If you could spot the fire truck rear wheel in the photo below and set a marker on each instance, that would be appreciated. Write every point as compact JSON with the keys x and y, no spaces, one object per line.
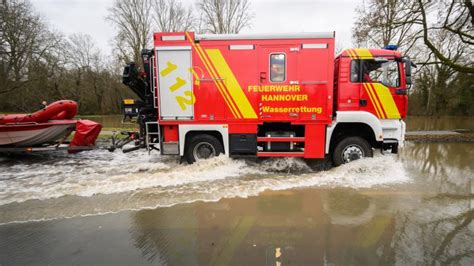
{"x":351,"y":149}
{"x":202,"y":147}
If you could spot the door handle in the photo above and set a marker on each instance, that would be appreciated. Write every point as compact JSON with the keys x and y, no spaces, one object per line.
{"x":363,"y":102}
{"x":263,"y":76}
{"x":401,"y":92}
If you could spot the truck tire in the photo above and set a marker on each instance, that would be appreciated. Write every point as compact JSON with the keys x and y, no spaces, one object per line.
{"x":351,"y":149}
{"x":202,"y":146}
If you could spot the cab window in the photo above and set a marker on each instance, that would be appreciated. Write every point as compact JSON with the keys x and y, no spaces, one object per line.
{"x":277,"y":67}
{"x":355,"y":73}
{"x":386,"y":73}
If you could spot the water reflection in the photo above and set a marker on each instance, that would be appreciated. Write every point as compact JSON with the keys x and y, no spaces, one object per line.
{"x":446,"y":167}
{"x":341,"y":226}
{"x":437,"y":228}
{"x":428,"y":222}
{"x":437,"y":231}
{"x":166,"y":236}
{"x":439,"y":123}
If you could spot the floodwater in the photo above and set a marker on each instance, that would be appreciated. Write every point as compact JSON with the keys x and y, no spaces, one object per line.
{"x":96,"y":207}
{"x":114,"y":208}
{"x":416,"y":123}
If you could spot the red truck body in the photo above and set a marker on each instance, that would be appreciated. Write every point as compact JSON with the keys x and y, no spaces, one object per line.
{"x":274,"y":94}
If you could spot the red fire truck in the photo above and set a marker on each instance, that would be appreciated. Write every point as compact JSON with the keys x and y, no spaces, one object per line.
{"x":269,"y":95}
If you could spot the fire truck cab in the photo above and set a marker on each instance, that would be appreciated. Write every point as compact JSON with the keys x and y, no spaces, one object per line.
{"x":269,"y":95}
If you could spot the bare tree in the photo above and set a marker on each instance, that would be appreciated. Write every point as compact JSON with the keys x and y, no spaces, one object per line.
{"x":133,"y":21}
{"x":411,"y":24}
{"x":171,"y":16}
{"x":82,"y":52}
{"x":225,"y":16}
{"x":456,"y":20}
{"x":24,"y":39}
{"x":441,"y":47}
{"x":383,"y":22}
{"x":87,"y":64}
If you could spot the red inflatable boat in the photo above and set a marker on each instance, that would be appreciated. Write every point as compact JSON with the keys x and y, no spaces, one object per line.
{"x":48,"y":126}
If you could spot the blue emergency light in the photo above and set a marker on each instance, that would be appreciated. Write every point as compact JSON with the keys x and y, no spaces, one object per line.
{"x":392,"y":47}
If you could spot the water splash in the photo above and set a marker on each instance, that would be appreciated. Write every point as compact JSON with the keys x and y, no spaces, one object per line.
{"x":101,"y":182}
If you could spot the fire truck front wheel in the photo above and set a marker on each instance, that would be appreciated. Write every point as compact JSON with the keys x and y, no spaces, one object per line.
{"x":202,"y":147}
{"x":351,"y":149}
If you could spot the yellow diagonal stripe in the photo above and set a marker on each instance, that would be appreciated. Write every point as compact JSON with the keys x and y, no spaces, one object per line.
{"x":197,"y":82}
{"x":378,"y":104}
{"x":362,"y":52}
{"x":232,"y":84}
{"x":372,"y":100}
{"x":214,"y":76}
{"x":219,"y":86}
{"x":387,"y":101}
{"x":350,"y":54}
{"x":353,"y":54}
{"x":219,"y":83}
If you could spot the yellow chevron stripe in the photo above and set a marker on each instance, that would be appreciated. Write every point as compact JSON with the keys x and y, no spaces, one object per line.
{"x":217,"y":81}
{"x":211,"y":73}
{"x":378,"y":104}
{"x":195,"y":75}
{"x":367,"y":89}
{"x":220,"y":83}
{"x":351,"y":54}
{"x":377,"y":100}
{"x":356,"y":55}
{"x":232,"y":84}
{"x":362,"y":52}
{"x":387,"y":101}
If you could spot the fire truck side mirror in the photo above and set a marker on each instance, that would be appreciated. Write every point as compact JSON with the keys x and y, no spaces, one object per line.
{"x":263,"y":76}
{"x":408,"y":65}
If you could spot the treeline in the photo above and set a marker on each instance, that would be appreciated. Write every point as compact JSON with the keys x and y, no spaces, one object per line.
{"x":38,"y":63}
{"x":438,"y":36}
{"x":136,"y":20}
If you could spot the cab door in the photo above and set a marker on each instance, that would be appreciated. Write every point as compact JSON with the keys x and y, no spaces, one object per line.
{"x":277,"y":72}
{"x":380,"y":83}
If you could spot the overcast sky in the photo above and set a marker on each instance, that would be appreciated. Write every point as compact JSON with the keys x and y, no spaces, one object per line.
{"x":88,"y":16}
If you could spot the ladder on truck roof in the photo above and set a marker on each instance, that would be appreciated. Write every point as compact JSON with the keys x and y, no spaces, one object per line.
{"x":152,"y":135}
